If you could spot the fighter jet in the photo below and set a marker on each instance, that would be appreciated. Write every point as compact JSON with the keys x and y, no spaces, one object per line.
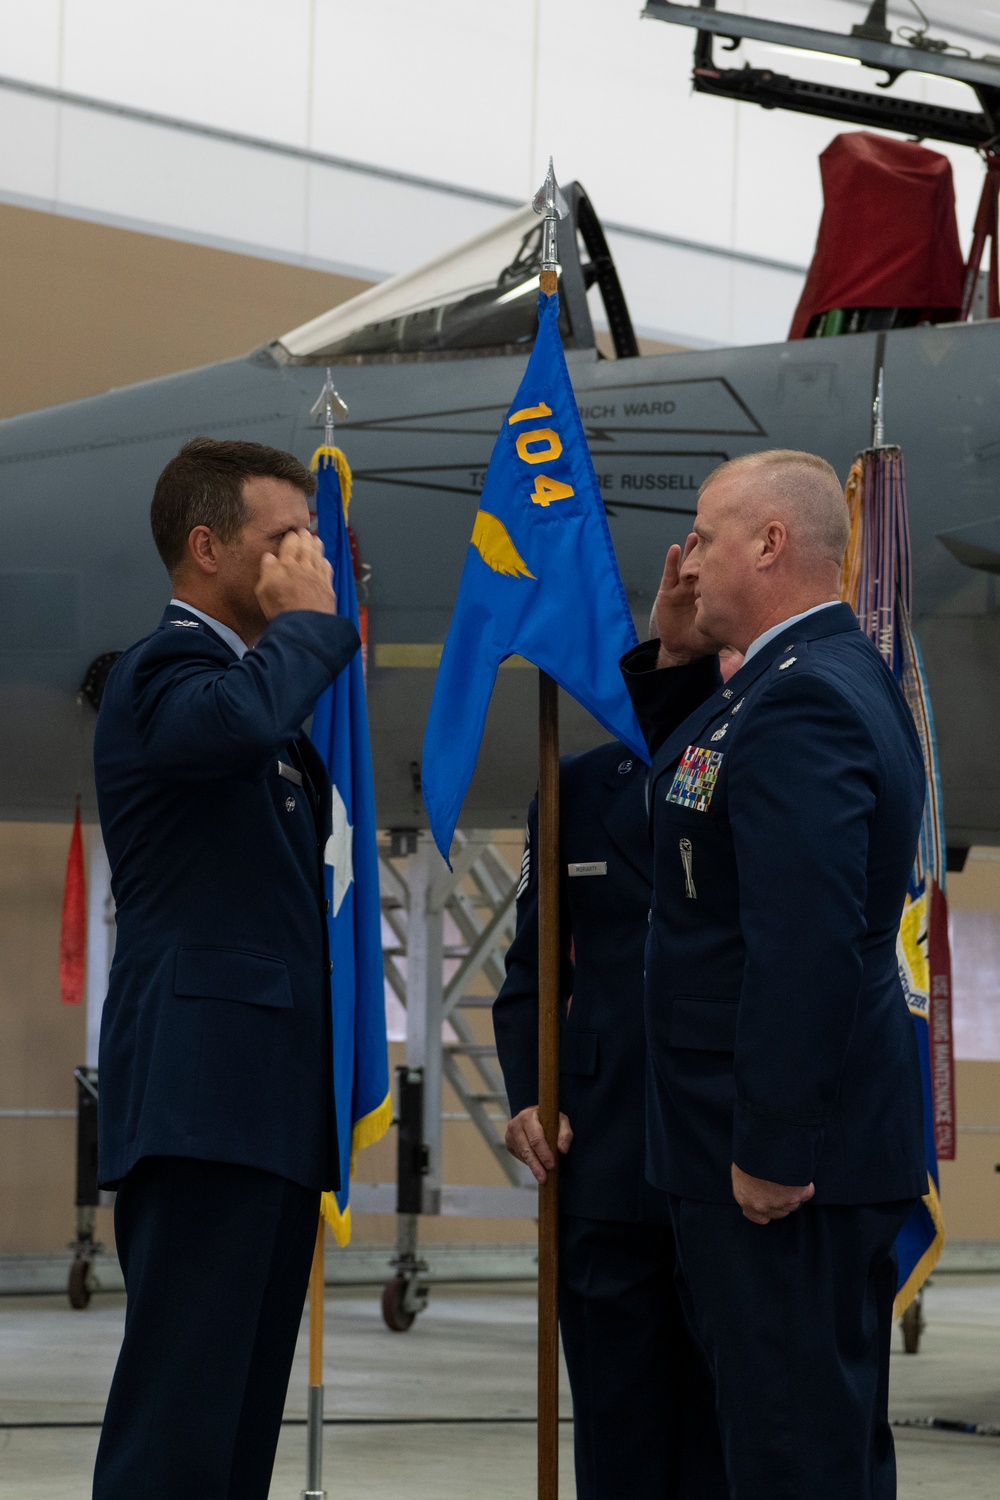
{"x":427,"y":364}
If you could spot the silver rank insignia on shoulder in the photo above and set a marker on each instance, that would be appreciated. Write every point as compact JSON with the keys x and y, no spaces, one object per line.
{"x":727,"y":692}
{"x":289,"y":804}
{"x":720,"y":733}
{"x":737,"y":706}
{"x":787,"y":663}
{"x":185,"y":624}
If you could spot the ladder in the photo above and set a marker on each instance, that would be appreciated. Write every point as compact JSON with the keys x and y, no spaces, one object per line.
{"x":449,"y":931}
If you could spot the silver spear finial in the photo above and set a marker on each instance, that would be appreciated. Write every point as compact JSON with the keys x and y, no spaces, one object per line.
{"x":550,"y":202}
{"x":328,"y":406}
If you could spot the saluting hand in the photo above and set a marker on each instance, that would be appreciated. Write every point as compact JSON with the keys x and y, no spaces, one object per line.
{"x":762,"y":1201}
{"x":673,"y":619}
{"x":525,"y":1139}
{"x":298,"y":577}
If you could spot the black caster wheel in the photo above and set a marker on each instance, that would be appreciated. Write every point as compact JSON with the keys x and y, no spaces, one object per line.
{"x":80,"y":1287}
{"x":394,"y":1311}
{"x":912,"y":1325}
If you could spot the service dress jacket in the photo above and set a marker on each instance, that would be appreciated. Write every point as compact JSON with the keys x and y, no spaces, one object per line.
{"x":215,"y":809}
{"x":606,"y":877}
{"x":785,"y":808}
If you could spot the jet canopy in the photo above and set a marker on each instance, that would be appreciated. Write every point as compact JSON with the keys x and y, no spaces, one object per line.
{"x":480,"y":298}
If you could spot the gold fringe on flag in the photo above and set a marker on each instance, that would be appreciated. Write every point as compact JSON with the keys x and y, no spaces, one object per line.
{"x":369,"y":1129}
{"x":930,"y":1257}
{"x":325,"y":455}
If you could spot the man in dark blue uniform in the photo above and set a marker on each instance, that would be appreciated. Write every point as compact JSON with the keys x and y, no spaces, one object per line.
{"x":785,"y":1116}
{"x":643,"y":1405}
{"x":217,"y":1121}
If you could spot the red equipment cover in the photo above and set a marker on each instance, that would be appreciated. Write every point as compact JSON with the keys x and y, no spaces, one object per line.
{"x":888,"y":236}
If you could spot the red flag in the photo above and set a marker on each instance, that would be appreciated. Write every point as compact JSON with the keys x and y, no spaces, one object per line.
{"x":73,"y":941}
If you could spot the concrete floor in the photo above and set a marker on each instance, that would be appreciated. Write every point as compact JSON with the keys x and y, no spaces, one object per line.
{"x":469,"y":1358}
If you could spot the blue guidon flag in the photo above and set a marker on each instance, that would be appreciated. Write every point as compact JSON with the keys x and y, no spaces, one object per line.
{"x":357,"y":985}
{"x":541,"y":581}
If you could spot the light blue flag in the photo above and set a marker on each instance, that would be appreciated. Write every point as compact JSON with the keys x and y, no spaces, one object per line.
{"x":541,"y":580}
{"x":340,"y":734}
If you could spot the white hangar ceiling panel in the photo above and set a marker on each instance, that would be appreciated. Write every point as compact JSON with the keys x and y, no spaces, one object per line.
{"x":472,"y":97}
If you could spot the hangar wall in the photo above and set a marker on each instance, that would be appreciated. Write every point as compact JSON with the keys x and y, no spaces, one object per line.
{"x":86,"y":306}
{"x":326,"y":132}
{"x":42,"y":1041}
{"x":249,"y":242}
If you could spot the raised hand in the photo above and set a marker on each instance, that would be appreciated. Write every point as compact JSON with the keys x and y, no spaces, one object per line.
{"x":673,"y":619}
{"x":298,"y":577}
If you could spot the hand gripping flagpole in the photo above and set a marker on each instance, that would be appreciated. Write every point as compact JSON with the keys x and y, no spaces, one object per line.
{"x":548,"y":200}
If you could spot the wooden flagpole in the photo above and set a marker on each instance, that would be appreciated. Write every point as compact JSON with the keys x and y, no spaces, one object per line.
{"x":548,"y":1085}
{"x":314,"y":1423}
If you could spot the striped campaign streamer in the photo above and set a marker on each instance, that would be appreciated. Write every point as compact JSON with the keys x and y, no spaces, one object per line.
{"x":877,"y":580}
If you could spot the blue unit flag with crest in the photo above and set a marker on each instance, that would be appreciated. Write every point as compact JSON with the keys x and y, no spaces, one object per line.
{"x":540,"y":580}
{"x":357,"y":985}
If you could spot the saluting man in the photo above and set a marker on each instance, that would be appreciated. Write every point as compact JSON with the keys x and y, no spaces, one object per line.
{"x":643,"y":1407}
{"x":785,"y":1117}
{"x":217,"y":1121}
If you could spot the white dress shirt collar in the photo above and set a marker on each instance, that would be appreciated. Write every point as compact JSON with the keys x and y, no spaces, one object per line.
{"x":224,"y":632}
{"x":776,"y":630}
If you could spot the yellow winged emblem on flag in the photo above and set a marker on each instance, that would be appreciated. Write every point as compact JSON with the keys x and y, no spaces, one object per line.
{"x":911,"y":954}
{"x":491,"y":540}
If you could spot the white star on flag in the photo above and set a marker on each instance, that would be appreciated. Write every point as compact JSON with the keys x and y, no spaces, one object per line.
{"x":340,"y":851}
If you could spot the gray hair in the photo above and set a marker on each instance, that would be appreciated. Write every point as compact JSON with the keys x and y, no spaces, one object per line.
{"x":807,"y":486}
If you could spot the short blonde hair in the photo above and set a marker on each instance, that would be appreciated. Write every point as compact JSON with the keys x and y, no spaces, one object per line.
{"x":804,"y":483}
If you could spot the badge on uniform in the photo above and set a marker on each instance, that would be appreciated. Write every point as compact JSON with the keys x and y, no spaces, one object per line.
{"x":695,"y":778}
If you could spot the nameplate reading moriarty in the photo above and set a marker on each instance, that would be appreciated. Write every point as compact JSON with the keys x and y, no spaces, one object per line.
{"x":589,"y":867}
{"x":289,"y":773}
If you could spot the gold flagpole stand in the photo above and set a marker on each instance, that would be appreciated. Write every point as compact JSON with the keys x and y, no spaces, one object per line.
{"x":314,"y":1426}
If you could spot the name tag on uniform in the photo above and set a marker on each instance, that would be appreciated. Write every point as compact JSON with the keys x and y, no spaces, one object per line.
{"x":289,"y":773}
{"x":589,"y":867}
